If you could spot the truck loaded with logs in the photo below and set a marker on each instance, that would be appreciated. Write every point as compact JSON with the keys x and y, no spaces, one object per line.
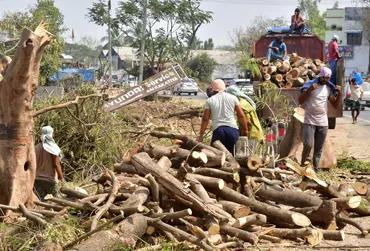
{"x":306,"y":58}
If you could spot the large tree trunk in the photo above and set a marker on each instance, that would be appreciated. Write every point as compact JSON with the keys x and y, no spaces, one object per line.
{"x":17,"y":90}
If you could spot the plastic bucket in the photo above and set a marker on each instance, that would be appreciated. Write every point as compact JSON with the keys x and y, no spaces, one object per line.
{"x":358,"y":78}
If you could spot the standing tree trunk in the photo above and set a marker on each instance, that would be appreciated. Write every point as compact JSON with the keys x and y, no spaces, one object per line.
{"x":17,"y":90}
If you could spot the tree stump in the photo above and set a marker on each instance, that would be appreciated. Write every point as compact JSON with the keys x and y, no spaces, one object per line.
{"x":17,"y":91}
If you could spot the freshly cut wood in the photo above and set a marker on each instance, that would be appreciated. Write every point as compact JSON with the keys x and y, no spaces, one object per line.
{"x":289,"y":78}
{"x":197,"y":231}
{"x":299,"y":82}
{"x":265,"y":62}
{"x":277,"y":78}
{"x":312,"y":236}
{"x":285,"y":67}
{"x":333,"y":235}
{"x":193,"y":158}
{"x":265,"y":69}
{"x":311,"y":74}
{"x":299,"y":63}
{"x":229,"y":157}
{"x":227,"y":177}
{"x":124,"y":168}
{"x":138,"y":198}
{"x":287,"y":196}
{"x":144,"y":164}
{"x":235,"y":209}
{"x":184,"y":169}
{"x":266,"y":77}
{"x":348,"y":202}
{"x":154,"y":188}
{"x":198,"y":189}
{"x":324,"y":213}
{"x":241,"y":234}
{"x":72,"y":193}
{"x":295,"y":73}
{"x":278,"y":63}
{"x":125,"y":233}
{"x":309,"y":61}
{"x":165,"y":163}
{"x":283,"y":215}
{"x":212,"y":225}
{"x":254,"y":219}
{"x":303,"y":70}
{"x":209,"y":182}
{"x":360,"y":188}
{"x":342,"y":218}
{"x":254,"y":162}
{"x":173,"y":215}
{"x":317,"y":62}
{"x":295,"y":57}
{"x":313,"y":67}
{"x":217,"y":239}
{"x":214,"y":160}
{"x":272,"y":69}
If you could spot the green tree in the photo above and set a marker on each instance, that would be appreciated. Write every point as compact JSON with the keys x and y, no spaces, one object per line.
{"x":117,"y":39}
{"x":12,"y":23}
{"x":244,"y":38}
{"x":208,"y":44}
{"x":173,"y":41}
{"x":315,"y":21}
{"x":202,"y":67}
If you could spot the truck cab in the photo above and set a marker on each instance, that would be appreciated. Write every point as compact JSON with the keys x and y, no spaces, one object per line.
{"x":308,"y":46}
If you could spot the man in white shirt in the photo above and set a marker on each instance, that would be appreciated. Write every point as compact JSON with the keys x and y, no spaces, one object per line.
{"x":356,"y":95}
{"x":315,"y":95}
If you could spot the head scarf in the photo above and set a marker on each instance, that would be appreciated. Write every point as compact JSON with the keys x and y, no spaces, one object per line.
{"x":234,"y":90}
{"x":48,"y":142}
{"x":325,"y":72}
{"x":218,"y":85}
{"x":335,"y":37}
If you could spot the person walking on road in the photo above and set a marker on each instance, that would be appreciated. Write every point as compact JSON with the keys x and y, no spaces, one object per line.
{"x":334,"y":56}
{"x":315,"y":95}
{"x":48,"y":167}
{"x":277,"y":50}
{"x":356,"y":95}
{"x":297,"y":22}
{"x":222,"y":107}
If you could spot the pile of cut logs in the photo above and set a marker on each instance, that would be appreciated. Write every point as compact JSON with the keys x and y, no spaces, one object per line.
{"x":201,"y":194}
{"x":292,"y":73}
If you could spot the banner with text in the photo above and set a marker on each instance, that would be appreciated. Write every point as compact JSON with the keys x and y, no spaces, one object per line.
{"x":156,"y":83}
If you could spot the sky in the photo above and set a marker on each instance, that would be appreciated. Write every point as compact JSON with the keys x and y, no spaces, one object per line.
{"x":227,"y":15}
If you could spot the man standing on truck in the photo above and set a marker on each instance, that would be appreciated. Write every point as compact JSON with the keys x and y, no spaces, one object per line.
{"x":222,"y":107}
{"x":297,"y":22}
{"x":315,"y":95}
{"x":277,"y":50}
{"x":333,"y":51}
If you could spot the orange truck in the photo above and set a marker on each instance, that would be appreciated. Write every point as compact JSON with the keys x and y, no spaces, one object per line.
{"x":308,"y":46}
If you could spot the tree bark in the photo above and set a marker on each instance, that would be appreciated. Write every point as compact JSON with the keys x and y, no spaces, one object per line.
{"x":235,"y":209}
{"x":17,"y":90}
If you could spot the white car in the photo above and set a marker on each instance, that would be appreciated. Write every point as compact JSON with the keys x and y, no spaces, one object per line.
{"x":365,"y":101}
{"x":245,"y":85}
{"x":187,"y":85}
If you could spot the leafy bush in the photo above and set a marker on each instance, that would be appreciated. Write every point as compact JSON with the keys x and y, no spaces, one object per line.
{"x":201,"y":67}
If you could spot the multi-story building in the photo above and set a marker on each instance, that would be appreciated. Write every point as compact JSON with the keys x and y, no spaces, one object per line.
{"x":354,"y":35}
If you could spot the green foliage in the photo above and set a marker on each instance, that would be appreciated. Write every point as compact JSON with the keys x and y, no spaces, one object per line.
{"x":12,"y":24}
{"x":202,"y":67}
{"x":64,"y":231}
{"x":251,"y":64}
{"x":244,"y":38}
{"x":182,"y":20}
{"x":315,"y":20}
{"x":354,"y":165}
{"x":89,"y":137}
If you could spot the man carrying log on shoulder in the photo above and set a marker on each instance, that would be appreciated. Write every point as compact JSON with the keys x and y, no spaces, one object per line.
{"x":277,"y":50}
{"x":315,"y":95}
{"x":222,"y":108}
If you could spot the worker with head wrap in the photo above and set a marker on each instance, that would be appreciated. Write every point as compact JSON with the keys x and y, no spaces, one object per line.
{"x":315,"y":95}
{"x":49,"y":169}
{"x":221,"y":107}
{"x":255,"y":131}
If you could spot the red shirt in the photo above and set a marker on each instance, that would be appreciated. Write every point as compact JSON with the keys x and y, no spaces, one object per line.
{"x":332,"y":48}
{"x":297,"y":20}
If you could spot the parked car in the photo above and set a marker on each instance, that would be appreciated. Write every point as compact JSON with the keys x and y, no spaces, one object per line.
{"x":187,"y":85}
{"x":364,"y":102}
{"x":245,"y":85}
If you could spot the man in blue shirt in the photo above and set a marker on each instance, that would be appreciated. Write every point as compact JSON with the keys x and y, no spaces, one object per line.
{"x":277,"y":50}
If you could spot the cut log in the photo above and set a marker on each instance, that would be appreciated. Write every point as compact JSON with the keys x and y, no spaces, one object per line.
{"x":265,"y":69}
{"x":212,"y":225}
{"x":165,"y":163}
{"x":209,"y":182}
{"x":303,"y":70}
{"x":348,"y":202}
{"x":311,"y":74}
{"x":254,"y":162}
{"x":197,"y":231}
{"x":309,"y":61}
{"x":144,"y":164}
{"x":229,"y":157}
{"x":17,"y":91}
{"x":299,"y":82}
{"x":272,"y":69}
{"x":342,"y":218}
{"x":289,"y":78}
{"x":285,"y":67}
{"x":360,"y":188}
{"x":278,"y":63}
{"x":254,"y":219}
{"x":198,"y":189}
{"x":295,"y":73}
{"x":299,"y":63}
{"x":333,"y":235}
{"x":193,"y":158}
{"x":183,"y":171}
{"x":294,"y":58}
{"x":241,"y":234}
{"x":265,"y":62}
{"x":72,"y":193}
{"x":125,"y":233}
{"x":277,"y":78}
{"x":312,"y":236}
{"x":217,"y":239}
{"x":325,"y":213}
{"x":266,"y":77}
{"x":173,"y":216}
{"x":154,"y":188}
{"x":317,"y":62}
{"x":296,"y":219}
{"x":138,"y":198}
{"x":124,"y":168}
{"x":214,"y":160}
{"x":227,"y":177}
{"x":235,"y":209}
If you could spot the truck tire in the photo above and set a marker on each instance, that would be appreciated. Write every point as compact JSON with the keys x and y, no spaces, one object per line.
{"x":332,"y":123}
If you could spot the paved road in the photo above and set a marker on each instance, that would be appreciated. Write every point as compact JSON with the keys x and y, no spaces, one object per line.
{"x":364,"y":115}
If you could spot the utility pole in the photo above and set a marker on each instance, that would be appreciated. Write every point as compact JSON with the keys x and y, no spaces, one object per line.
{"x":109,"y":45}
{"x":142,"y":48}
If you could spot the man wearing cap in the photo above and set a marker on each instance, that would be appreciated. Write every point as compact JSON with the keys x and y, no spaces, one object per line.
{"x":297,"y":22}
{"x":277,"y":50}
{"x":333,"y":51}
{"x":315,"y":95}
{"x":221,"y":107}
{"x":48,"y":167}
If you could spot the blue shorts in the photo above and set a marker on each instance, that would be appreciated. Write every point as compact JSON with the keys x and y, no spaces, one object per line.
{"x":227,"y":135}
